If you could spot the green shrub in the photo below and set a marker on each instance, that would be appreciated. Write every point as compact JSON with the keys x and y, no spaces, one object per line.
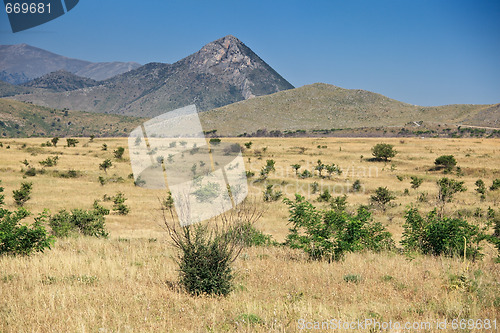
{"x":495,"y":185}
{"x":71,"y":142}
{"x":325,"y":196}
{"x":23,"y":194}
{"x":50,"y":161}
{"x":119,"y":204}
{"x":447,"y":162}
{"x":329,"y":234}
{"x":19,"y":239}
{"x":118,"y":153}
{"x":383,"y":151}
{"x":31,"y":172}
{"x":306,"y":174}
{"x":271,"y":195}
{"x":105,"y":165}
{"x":436,"y":235}
{"x":382,"y":197}
{"x":356,"y":186}
{"x":416,"y":182}
{"x":214,"y":141}
{"x":55,"y":141}
{"x":481,"y":188}
{"x":207,"y":250}
{"x":447,"y":190}
{"x":86,"y":222}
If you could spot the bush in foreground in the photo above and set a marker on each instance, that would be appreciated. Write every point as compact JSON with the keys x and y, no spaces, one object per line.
{"x":86,"y":222}
{"x":329,"y":234}
{"x":437,"y":235}
{"x":17,"y":239}
{"x":206,"y":251}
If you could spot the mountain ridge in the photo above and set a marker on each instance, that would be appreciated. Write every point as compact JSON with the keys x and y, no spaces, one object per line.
{"x":220,"y":73}
{"x":20,"y":63}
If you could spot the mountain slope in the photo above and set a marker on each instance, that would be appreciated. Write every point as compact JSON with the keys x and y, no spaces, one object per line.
{"x":21,"y":63}
{"x":61,"y":81}
{"x":322,"y":106}
{"x":19,"y":119}
{"x":222,"y":72}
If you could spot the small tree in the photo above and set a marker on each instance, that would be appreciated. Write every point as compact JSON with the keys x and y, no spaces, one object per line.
{"x":104,"y":147}
{"x":447,"y":189}
{"x":447,"y":162}
{"x":248,"y":144}
{"x":105,"y":165}
{"x":23,"y":194}
{"x":119,"y":153}
{"x":495,"y":185}
{"x":71,"y":142}
{"x":16,"y":239}
{"x":320,"y":167}
{"x":382,"y":197}
{"x":383,"y":151}
{"x":296,"y":167}
{"x":55,"y":141}
{"x":416,"y":182}
{"x":356,"y":186}
{"x":271,"y":195}
{"x":119,"y":204}
{"x":330,"y":169}
{"x":481,"y":188}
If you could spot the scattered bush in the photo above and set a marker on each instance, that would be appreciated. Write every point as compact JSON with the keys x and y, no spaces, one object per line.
{"x":382,"y":197}
{"x":16,"y":239}
{"x":118,"y":153}
{"x":440,"y":235}
{"x":23,"y":194}
{"x":71,"y":142}
{"x":447,"y":189}
{"x":55,"y":141}
{"x":271,"y":195}
{"x":50,"y":161}
{"x":447,"y":162}
{"x":331,"y":233}
{"x":356,"y":186}
{"x":416,"y":182}
{"x":215,"y":141}
{"x":296,"y":167}
{"x":248,"y":144}
{"x":383,"y":151}
{"x":481,"y":188}
{"x":86,"y":222}
{"x":105,"y":165}
{"x":119,"y":204}
{"x":495,"y":185}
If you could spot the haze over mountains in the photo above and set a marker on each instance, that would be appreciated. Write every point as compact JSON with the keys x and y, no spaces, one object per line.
{"x":222,"y":72}
{"x":22,"y":63}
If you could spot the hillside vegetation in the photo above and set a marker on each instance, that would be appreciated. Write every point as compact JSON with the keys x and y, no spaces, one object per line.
{"x":18,"y":119}
{"x":322,"y":106}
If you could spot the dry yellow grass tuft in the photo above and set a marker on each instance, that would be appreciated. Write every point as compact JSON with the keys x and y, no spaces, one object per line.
{"x":128,"y":282}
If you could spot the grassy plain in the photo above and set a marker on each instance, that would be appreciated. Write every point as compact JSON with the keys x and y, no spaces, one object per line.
{"x":127,"y":283}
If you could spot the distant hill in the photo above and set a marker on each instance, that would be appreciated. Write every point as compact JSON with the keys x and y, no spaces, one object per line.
{"x":21,"y":63}
{"x":61,"y":81}
{"x":222,"y":72}
{"x":19,"y":119}
{"x":322,"y":106}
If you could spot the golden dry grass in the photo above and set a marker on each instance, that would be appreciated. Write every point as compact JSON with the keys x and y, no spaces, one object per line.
{"x":128,"y":282}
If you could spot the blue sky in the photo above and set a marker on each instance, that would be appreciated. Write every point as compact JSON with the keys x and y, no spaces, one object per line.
{"x":421,"y":52}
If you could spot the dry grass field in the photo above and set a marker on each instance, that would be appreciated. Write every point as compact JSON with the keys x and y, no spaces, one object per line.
{"x":128,"y":282}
